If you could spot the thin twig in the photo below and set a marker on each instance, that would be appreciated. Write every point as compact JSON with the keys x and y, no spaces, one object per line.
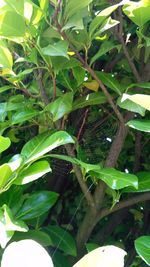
{"x":83,"y":123}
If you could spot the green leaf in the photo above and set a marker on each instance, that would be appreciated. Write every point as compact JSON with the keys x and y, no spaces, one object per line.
{"x":9,"y":22}
{"x":89,"y":100}
{"x":141,"y":125}
{"x":6,"y":60}
{"x":86,"y":167}
{"x":79,"y":74}
{"x":15,"y":162}
{"x":4,"y":143}
{"x":100,"y":18}
{"x":138,"y":12}
{"x":91,"y":246}
{"x":39,"y":236}
{"x":140,"y":99}
{"x":143,"y":183}
{"x":37,"y":204}
{"x":5,"y":174}
{"x":56,"y":50}
{"x":33,"y":172}
{"x":73,"y":7}
{"x":17,"y":6}
{"x":131,"y":106}
{"x":142,"y":246}
{"x":62,"y":239}
{"x":141,"y":85}
{"x":60,"y":260}
{"x":23,"y":115}
{"x":61,"y":106}
{"x":43,"y":143}
{"x":75,"y":22}
{"x":108,"y":24}
{"x":105,"y":48}
{"x":109,"y":80}
{"x":8,"y":225}
{"x":116,"y":179}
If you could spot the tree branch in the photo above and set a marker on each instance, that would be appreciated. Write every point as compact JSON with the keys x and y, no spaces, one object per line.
{"x":38,"y":76}
{"x":124,"y":204}
{"x":119,"y":35}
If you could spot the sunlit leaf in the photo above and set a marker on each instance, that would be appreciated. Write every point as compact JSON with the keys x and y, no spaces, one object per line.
{"x":142,"y":246}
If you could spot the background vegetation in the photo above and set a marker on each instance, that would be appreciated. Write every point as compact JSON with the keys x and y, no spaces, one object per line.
{"x":74,"y":125}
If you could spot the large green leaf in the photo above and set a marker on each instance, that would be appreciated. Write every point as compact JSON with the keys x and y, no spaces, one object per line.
{"x":17,"y":6}
{"x":4,"y":143}
{"x":105,"y":48}
{"x":43,"y":143}
{"x":37,"y":235}
{"x":139,"y":99}
{"x":6,"y":60}
{"x":60,"y":260}
{"x":110,"y":81}
{"x":37,"y":204}
{"x":89,"y":100}
{"x":8,"y":225}
{"x":141,"y":125}
{"x":131,"y":106}
{"x":101,"y":18}
{"x":58,"y":49}
{"x":143,"y":183}
{"x":33,"y":172}
{"x":60,"y":106}
{"x":11,"y":25}
{"x":141,"y":85}
{"x":138,"y":12}
{"x":116,"y":179}
{"x":61,"y":239}
{"x":5,"y":174}
{"x":23,"y":115}
{"x":73,"y":7}
{"x":142,"y":246}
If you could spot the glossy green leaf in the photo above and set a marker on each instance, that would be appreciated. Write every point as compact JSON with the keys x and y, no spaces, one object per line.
{"x":75,"y":22}
{"x":17,"y":6}
{"x":110,"y":81}
{"x":141,"y":85}
{"x":62,"y":239}
{"x":73,"y":7}
{"x":23,"y":115}
{"x":43,"y":143}
{"x":60,"y":106}
{"x":33,"y":172}
{"x":138,"y":12}
{"x":15,"y":162}
{"x":105,"y":48}
{"x":9,"y":22}
{"x":90,"y":100}
{"x":100,"y":18}
{"x":58,"y":49}
{"x":6,"y":60}
{"x":131,"y":106}
{"x":8,"y":225}
{"x":5,"y":175}
{"x":86,"y":167}
{"x":4,"y":143}
{"x":141,"y":125}
{"x":107,"y":24}
{"x":116,"y":179}
{"x":142,"y":246}
{"x":37,"y":204}
{"x":143,"y":183}
{"x":139,"y":99}
{"x":37,"y":235}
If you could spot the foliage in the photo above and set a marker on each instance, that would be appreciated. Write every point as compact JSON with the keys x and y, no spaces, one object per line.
{"x":75,"y":78}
